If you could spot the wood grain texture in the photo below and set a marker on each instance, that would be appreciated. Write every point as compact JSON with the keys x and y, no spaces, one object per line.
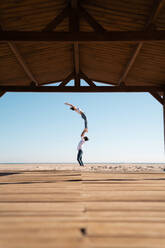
{"x":53,"y":62}
{"x":81,"y":209}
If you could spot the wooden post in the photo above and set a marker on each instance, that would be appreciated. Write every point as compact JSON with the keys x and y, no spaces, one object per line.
{"x":164,"y":117}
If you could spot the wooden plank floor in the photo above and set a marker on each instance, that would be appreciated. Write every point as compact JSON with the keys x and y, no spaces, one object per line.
{"x":81,"y":209}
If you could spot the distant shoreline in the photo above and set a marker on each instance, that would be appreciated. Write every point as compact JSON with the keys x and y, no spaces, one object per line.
{"x":86,"y":163}
{"x":91,"y":167}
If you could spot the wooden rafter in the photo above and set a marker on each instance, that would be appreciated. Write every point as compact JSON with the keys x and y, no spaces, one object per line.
{"x":111,"y":36}
{"x":155,"y":11}
{"x":130,"y":63}
{"x":21,"y":60}
{"x":92,"y":22}
{"x":74,"y":27}
{"x":57,"y":20}
{"x":67,"y":79}
{"x":157,"y":96}
{"x":157,"y":6}
{"x":2,"y":92}
{"x":89,"y":81}
{"x":104,"y":82}
{"x":82,"y":89}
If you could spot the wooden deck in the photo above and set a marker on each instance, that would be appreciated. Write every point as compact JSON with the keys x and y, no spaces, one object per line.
{"x":81,"y":209}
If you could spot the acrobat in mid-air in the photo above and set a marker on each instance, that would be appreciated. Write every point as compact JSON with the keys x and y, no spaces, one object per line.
{"x":83,"y":137}
{"x":79,"y":111}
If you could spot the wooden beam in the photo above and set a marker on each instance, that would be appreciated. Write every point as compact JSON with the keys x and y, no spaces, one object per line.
{"x":157,"y":6}
{"x":67,"y":79}
{"x":157,"y":97}
{"x":104,"y":82}
{"x":76,"y":58}
{"x":74,"y":27}
{"x":112,"y":36}
{"x":2,"y":92}
{"x":154,"y":13}
{"x":89,"y":81}
{"x":74,"y":16}
{"x":21,"y":60}
{"x":82,"y":89}
{"x":77,"y":80}
{"x":130,"y":63}
{"x":54,"y":23}
{"x":92,"y":22}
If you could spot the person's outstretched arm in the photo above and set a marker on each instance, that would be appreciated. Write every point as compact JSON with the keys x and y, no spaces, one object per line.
{"x":83,"y":132}
{"x":74,"y":108}
{"x":69,"y":104}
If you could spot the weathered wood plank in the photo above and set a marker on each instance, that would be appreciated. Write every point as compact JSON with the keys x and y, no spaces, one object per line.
{"x":120,"y":196}
{"x":82,"y":210}
{"x":145,"y":230}
{"x":124,"y":206}
{"x":47,"y":206}
{"x":125,"y":242}
{"x":32,"y":197}
{"x":39,"y":241}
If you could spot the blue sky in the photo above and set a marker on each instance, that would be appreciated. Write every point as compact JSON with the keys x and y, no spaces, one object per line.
{"x":38,"y":127}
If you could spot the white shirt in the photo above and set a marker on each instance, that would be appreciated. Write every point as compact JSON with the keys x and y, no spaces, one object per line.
{"x":80,"y":144}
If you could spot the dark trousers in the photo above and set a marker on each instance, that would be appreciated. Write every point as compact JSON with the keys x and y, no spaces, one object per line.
{"x":85,"y":120}
{"x":79,"y":157}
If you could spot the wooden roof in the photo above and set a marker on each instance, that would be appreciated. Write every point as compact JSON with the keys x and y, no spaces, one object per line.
{"x":137,"y":63}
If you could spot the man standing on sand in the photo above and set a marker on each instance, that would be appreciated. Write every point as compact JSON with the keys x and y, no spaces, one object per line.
{"x":79,"y":111}
{"x":79,"y":147}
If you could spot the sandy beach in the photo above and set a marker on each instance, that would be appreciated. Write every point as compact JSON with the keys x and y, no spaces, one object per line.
{"x":98,"y":167}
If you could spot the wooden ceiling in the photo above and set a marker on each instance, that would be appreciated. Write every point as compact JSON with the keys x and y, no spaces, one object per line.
{"x":117,"y":42}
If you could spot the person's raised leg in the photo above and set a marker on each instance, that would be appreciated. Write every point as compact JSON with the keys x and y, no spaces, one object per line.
{"x":85,"y":120}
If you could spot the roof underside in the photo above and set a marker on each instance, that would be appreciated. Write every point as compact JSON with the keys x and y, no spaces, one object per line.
{"x":110,"y":62}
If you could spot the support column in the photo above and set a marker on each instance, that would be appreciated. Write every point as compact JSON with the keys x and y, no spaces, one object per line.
{"x":164,"y":117}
